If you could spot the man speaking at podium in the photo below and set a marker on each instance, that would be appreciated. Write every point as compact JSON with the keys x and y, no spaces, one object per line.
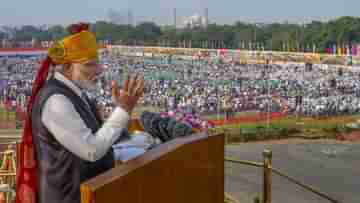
{"x":64,"y":142}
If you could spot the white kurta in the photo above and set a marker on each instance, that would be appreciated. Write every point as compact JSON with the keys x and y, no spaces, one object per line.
{"x":63,"y":121}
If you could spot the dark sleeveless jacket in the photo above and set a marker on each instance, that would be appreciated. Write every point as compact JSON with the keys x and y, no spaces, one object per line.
{"x":61,"y":172}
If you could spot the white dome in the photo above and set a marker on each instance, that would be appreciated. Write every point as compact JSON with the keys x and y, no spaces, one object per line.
{"x":196,"y":17}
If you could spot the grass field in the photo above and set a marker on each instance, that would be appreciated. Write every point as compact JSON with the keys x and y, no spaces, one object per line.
{"x":287,"y":127}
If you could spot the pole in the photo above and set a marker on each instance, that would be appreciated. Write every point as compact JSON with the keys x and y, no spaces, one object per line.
{"x":269,"y":98}
{"x":218,"y":104}
{"x":175,"y":19}
{"x":267,"y":154}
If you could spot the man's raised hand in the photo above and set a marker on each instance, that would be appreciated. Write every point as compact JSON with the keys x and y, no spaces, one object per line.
{"x":130,"y":93}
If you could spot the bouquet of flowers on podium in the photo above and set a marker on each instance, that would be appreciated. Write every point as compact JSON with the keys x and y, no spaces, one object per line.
{"x":189,"y":117}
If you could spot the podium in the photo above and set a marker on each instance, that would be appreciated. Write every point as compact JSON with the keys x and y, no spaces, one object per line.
{"x":184,"y":170}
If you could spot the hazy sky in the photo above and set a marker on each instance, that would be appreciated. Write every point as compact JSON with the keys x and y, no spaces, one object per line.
{"x":19,"y":12}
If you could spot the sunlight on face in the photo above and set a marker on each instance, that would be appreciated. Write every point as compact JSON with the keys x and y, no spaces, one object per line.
{"x":86,"y":74}
{"x":90,"y":70}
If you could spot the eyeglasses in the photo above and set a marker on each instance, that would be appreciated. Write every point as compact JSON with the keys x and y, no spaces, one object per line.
{"x":91,"y":63}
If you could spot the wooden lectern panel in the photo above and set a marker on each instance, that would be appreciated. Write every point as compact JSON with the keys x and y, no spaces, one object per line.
{"x":185,"y":170}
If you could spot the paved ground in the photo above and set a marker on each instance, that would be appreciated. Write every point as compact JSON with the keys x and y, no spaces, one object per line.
{"x":333,"y":167}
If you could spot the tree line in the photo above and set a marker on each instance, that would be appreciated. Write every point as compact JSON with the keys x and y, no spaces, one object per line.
{"x":315,"y":35}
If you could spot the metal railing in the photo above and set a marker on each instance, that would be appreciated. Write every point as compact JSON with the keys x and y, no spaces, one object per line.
{"x":267,"y":178}
{"x":8,"y":170}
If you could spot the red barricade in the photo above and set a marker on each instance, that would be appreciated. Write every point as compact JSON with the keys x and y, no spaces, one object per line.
{"x":247,"y":119}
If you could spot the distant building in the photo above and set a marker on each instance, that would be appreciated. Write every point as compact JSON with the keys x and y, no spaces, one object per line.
{"x":194,"y":21}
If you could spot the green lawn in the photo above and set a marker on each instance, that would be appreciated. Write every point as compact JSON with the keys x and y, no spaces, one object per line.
{"x":287,"y":127}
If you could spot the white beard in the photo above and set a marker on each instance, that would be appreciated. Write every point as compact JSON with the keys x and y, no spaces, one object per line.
{"x":86,"y":85}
